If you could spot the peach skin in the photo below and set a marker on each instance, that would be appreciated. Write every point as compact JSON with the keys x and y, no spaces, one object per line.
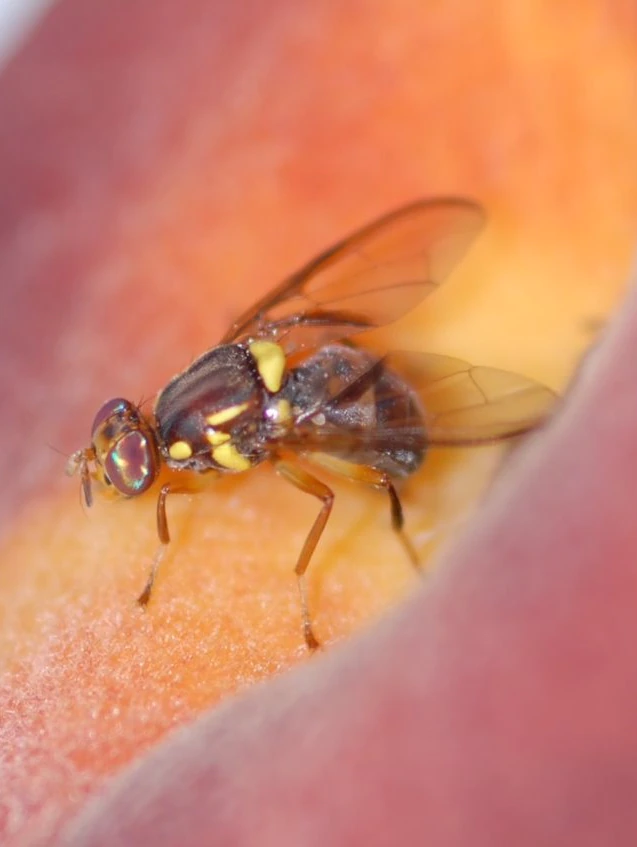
{"x":162,"y":166}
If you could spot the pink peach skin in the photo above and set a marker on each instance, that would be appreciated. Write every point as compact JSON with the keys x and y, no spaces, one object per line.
{"x":161,"y":165}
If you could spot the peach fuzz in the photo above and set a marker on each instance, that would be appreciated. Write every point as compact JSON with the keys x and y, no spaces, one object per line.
{"x":162,"y":165}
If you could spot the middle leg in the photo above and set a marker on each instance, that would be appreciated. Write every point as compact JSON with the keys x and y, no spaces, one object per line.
{"x":376,"y":479}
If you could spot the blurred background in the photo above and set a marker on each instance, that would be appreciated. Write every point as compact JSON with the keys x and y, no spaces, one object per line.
{"x":17,"y":17}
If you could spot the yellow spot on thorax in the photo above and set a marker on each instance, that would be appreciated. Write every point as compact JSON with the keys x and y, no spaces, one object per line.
{"x":270,"y":360}
{"x":214,"y":437}
{"x":284,"y":410}
{"x":180,"y":450}
{"x":227,"y":414}
{"x":229,"y":457}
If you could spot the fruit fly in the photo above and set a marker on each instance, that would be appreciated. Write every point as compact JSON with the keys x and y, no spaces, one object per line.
{"x":287,"y":385}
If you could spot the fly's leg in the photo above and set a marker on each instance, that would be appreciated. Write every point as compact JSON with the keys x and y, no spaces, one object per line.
{"x":376,"y":479}
{"x":164,"y":539}
{"x":307,"y":483}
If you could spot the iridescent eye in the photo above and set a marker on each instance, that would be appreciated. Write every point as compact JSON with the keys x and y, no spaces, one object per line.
{"x":131,"y":465}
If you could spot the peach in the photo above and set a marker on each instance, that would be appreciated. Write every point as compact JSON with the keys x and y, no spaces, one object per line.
{"x":164,"y":164}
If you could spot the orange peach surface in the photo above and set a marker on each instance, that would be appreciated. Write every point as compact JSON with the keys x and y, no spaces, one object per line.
{"x":161,"y":165}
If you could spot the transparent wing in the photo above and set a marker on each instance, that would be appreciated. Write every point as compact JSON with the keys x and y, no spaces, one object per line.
{"x":369,"y":279}
{"x":458,"y":404}
{"x":471,"y":404}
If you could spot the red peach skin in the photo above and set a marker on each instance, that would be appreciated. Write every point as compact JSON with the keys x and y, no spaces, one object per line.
{"x":161,"y":165}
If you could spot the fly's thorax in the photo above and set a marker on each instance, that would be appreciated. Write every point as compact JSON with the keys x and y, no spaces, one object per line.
{"x":221,"y":412}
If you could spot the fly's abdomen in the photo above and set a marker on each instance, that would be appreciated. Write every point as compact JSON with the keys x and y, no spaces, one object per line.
{"x":349,"y":405}
{"x":401,"y":440}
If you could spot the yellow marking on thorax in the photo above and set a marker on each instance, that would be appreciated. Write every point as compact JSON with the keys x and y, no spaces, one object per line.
{"x":180,"y":450}
{"x":229,"y":457}
{"x":226,"y":415}
{"x":214,"y":437}
{"x":283,"y":411}
{"x":270,"y":360}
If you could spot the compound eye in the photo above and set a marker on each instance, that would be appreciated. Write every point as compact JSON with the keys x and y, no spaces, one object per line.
{"x":115,"y":408}
{"x":131,"y":464}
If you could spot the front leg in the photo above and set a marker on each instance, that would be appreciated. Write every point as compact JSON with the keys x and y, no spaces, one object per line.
{"x":164,"y":538}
